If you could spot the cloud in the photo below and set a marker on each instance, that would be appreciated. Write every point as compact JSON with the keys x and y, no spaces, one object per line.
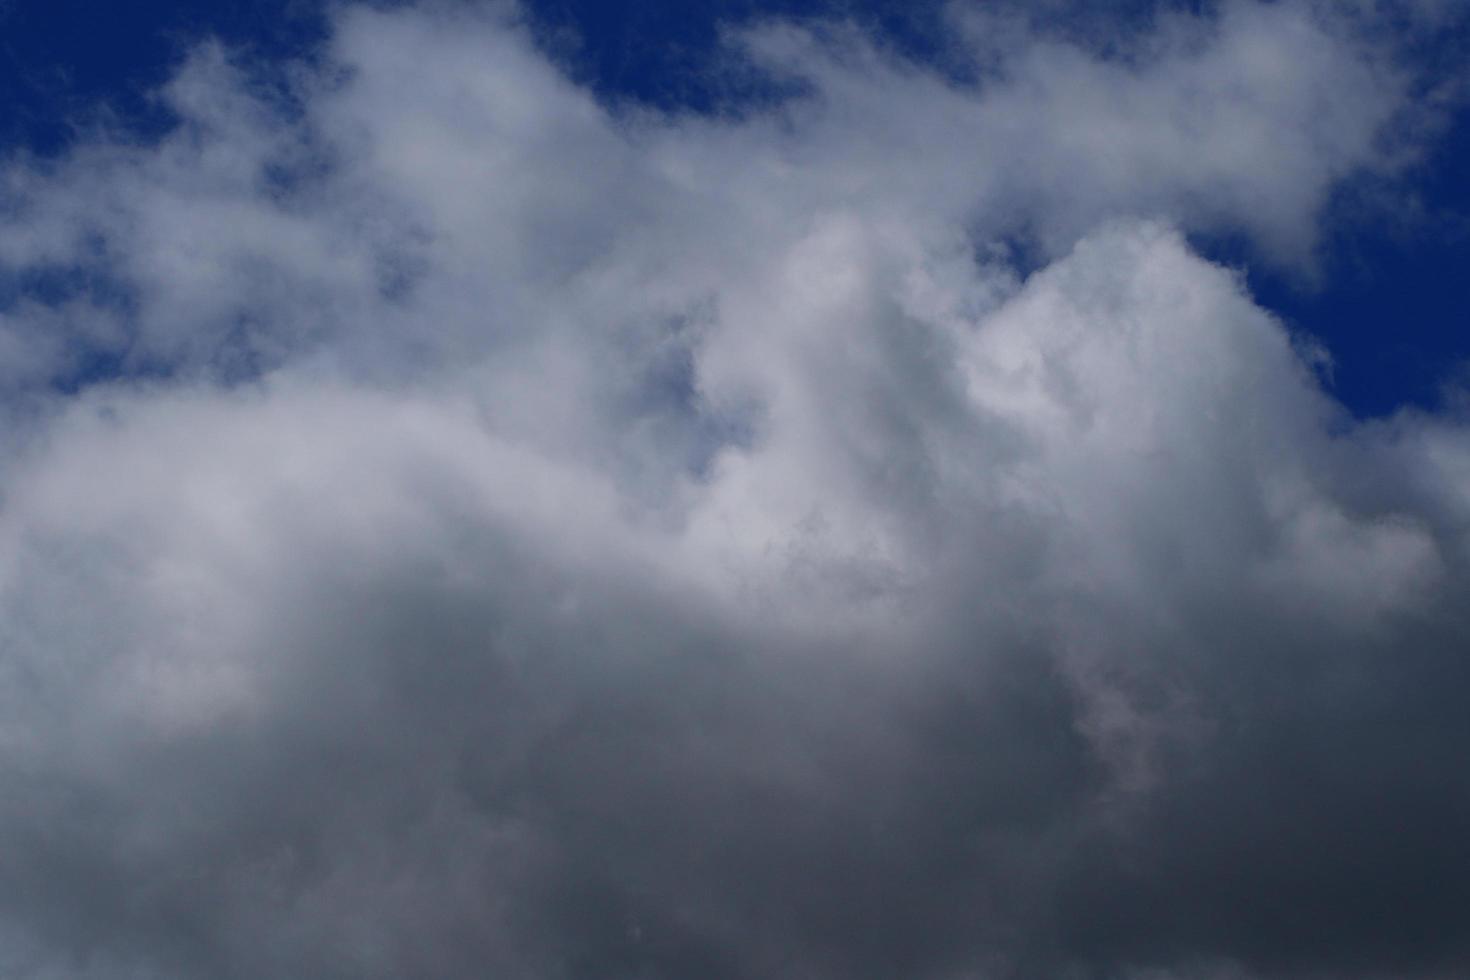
{"x":451,"y":527}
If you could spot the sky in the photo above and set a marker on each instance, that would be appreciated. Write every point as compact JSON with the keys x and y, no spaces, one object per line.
{"x":608,"y":490}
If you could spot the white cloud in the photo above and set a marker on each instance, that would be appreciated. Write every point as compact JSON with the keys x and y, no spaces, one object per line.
{"x":531,"y":539}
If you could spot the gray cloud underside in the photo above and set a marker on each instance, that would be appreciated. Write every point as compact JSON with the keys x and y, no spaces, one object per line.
{"x":449,"y":528}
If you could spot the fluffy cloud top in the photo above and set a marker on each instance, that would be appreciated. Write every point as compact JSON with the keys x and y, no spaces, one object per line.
{"x":450,"y":527}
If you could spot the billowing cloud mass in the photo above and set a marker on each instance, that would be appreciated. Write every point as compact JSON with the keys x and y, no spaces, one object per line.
{"x":453,"y":526}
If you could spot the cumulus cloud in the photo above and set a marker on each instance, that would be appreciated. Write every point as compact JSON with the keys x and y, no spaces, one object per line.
{"x":452,"y":527}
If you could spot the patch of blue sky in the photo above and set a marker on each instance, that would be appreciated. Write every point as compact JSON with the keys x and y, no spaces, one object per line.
{"x":64,"y":62}
{"x":1391,"y":304}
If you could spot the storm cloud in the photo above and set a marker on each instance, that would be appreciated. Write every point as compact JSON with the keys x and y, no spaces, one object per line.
{"x":453,"y":525}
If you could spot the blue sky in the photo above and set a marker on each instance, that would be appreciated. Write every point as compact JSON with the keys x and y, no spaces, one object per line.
{"x":1389,"y":302}
{"x":648,"y":491}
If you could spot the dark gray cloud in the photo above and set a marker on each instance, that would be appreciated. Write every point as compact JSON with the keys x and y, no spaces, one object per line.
{"x":450,"y":529}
